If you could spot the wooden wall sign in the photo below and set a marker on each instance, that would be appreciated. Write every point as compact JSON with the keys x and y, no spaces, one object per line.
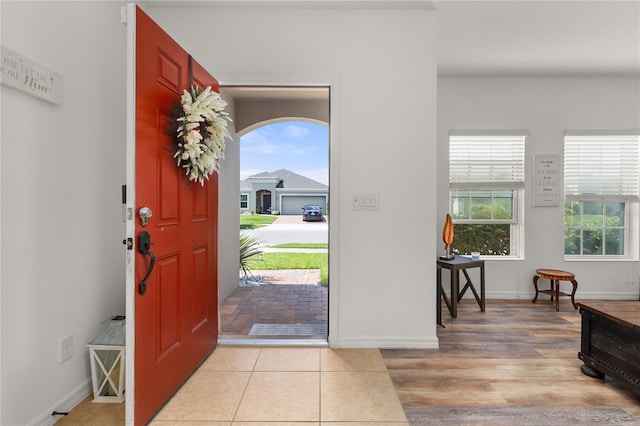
{"x":547,"y":172}
{"x":29,"y":77}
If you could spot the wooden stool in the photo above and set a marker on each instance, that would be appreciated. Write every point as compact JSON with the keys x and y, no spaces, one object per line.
{"x":555,"y":276}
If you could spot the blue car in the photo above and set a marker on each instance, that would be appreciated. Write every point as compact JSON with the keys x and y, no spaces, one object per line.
{"x":312,"y":213}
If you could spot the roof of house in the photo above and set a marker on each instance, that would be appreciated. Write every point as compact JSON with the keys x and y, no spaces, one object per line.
{"x":287,"y":180}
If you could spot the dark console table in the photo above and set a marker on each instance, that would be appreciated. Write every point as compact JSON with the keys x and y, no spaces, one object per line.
{"x":455,"y":265}
{"x":610,"y":340}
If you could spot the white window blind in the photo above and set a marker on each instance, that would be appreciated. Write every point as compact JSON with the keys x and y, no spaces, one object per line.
{"x":606,"y":166}
{"x":486,"y":161}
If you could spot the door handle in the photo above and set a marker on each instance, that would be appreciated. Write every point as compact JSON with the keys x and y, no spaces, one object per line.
{"x":144,"y":247}
{"x":144,"y":213}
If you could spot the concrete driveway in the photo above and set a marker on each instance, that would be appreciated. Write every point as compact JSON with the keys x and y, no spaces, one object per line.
{"x":296,"y":219}
{"x":292,"y":229}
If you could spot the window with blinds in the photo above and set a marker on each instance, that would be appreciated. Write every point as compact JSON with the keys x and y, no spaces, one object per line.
{"x":486,"y":184}
{"x":488,"y":162}
{"x":601,"y":186}
{"x":602,"y":166}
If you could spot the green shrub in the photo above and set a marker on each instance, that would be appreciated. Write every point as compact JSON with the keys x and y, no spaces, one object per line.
{"x":249,"y":250}
{"x":488,"y":239}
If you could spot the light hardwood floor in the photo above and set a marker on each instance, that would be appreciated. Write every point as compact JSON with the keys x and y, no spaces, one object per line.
{"x":515,"y":364}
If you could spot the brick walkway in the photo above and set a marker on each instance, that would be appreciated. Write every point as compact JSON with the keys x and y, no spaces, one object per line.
{"x":285,"y":297}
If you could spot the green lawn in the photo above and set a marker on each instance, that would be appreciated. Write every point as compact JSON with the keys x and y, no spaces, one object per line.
{"x":252,"y":221}
{"x":294,"y":261}
{"x":287,"y":260}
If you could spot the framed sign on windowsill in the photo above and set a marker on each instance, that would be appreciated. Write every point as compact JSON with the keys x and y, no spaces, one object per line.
{"x":547,"y":171}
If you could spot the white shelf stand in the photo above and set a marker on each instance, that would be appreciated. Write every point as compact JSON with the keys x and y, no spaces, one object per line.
{"x":107,"y":358}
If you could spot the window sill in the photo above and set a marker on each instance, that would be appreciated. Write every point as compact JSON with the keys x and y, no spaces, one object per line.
{"x":498,"y":258}
{"x":598,"y":259}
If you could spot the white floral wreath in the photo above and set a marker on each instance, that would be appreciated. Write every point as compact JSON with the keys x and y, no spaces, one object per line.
{"x":201,"y":133}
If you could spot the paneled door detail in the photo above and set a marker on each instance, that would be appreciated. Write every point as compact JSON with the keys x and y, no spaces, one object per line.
{"x":176,"y":306}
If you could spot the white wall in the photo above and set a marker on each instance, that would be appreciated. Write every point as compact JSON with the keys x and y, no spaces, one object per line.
{"x":62,"y":229}
{"x":381,"y":66}
{"x":546,"y":107}
{"x":229,"y":213}
{"x":62,"y":167}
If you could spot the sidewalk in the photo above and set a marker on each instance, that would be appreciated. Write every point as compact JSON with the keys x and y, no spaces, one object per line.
{"x":292,"y":296}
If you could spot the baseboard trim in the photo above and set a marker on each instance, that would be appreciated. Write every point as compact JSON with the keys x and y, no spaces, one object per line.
{"x":388,"y":343}
{"x":65,"y":404}
{"x":580,"y":295}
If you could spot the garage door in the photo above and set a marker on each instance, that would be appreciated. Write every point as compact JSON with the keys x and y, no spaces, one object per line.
{"x":293,"y":204}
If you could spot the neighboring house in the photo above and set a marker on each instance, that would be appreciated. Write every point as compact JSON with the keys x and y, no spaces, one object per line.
{"x":283,"y":191}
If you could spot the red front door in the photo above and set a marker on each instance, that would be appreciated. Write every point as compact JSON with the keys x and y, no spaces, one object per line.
{"x":176,"y":312}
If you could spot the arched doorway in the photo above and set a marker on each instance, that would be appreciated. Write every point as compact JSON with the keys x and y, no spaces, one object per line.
{"x":268,"y":192}
{"x":263,"y":201}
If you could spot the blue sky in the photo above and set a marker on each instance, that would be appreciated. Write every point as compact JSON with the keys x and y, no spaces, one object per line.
{"x":299,"y":146}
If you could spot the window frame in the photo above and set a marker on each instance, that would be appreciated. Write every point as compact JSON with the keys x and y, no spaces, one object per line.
{"x":631,"y":248}
{"x":581,"y":227}
{"x":514,"y":207}
{"x":517,"y":188}
{"x":244,"y":194}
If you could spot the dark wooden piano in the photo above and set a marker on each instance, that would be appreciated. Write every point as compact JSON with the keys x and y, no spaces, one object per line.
{"x":610,"y":341}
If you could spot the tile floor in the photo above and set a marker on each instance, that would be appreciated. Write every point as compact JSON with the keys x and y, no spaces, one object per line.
{"x":241,"y":385}
{"x":281,"y":386}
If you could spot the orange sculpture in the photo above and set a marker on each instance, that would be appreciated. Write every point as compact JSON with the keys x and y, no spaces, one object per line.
{"x":447,"y":237}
